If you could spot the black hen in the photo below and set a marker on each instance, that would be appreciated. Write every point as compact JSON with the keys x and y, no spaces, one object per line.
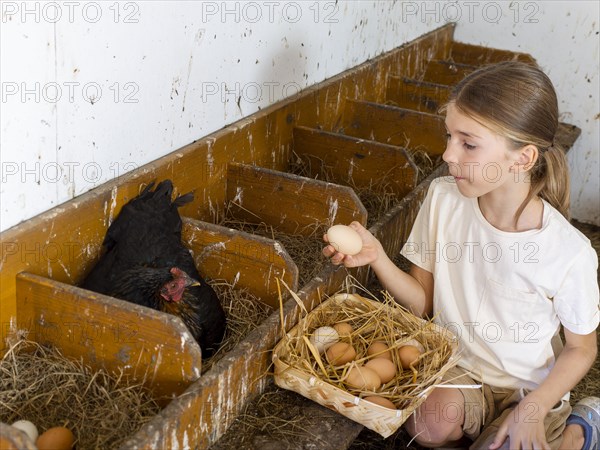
{"x":145,"y":263}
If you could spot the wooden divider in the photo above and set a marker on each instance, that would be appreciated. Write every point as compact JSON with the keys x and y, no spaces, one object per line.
{"x":149,"y":345}
{"x":395,"y":126}
{"x":424,"y":96}
{"x":201,"y":414}
{"x":252,"y":262}
{"x":205,"y":411}
{"x":356,"y":162}
{"x":445,"y":72}
{"x":414,"y":94}
{"x":288,"y":202}
{"x":477,"y":55}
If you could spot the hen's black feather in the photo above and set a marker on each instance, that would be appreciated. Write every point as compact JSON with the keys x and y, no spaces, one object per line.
{"x":140,"y":248}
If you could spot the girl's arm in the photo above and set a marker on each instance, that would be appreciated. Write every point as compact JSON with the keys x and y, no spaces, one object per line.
{"x":414,"y":291}
{"x":525,"y":424}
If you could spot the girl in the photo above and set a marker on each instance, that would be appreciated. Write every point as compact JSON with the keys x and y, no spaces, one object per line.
{"x":495,"y":259}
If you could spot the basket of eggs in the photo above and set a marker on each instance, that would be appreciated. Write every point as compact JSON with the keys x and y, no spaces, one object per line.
{"x":372,"y":361}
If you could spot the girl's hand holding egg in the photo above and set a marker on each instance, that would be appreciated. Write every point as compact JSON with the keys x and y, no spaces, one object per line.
{"x":351,"y":245}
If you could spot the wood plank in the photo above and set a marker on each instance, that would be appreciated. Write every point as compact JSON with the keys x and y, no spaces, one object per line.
{"x":414,"y":94}
{"x":321,"y":427}
{"x":406,"y":128}
{"x":477,"y":55}
{"x":446,"y":72}
{"x":206,"y":410}
{"x":251,"y":262}
{"x":151,"y":346}
{"x":290,"y":203}
{"x":356,"y":162}
{"x":64,"y":243}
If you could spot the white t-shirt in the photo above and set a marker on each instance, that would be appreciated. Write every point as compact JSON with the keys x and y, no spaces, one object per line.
{"x":504,"y":294}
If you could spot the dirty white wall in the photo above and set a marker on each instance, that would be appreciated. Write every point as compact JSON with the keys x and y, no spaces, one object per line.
{"x":91,"y":90}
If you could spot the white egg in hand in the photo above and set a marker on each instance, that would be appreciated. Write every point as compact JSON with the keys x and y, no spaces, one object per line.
{"x":323,"y":338}
{"x":344,"y":239}
{"x":28,"y":427}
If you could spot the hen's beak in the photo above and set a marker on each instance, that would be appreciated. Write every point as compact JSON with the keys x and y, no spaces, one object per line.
{"x":189,"y":281}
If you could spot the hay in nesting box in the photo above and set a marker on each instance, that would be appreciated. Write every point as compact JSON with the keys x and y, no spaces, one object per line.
{"x":379,"y":196}
{"x":304,"y":246}
{"x":372,"y":320}
{"x":244,"y":312}
{"x":41,"y":385}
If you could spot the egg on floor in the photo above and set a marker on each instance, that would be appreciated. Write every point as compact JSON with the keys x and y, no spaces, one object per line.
{"x":383,"y":367}
{"x":57,"y":438}
{"x":323,"y":338}
{"x":344,"y":239}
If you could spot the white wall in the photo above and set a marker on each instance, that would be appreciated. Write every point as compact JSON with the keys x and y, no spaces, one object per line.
{"x":91,"y":90}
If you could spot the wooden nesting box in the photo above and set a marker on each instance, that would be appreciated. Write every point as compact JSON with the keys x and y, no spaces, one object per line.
{"x":355,"y":125}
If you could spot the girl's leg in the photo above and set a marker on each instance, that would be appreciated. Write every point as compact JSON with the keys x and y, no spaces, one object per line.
{"x":439,"y":420}
{"x":572,"y":438}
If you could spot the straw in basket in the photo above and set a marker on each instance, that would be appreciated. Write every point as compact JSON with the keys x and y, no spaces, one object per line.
{"x":299,"y":366}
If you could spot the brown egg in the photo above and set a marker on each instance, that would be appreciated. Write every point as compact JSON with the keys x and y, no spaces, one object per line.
{"x":383,"y":367}
{"x":344,"y":329}
{"x":57,"y":438}
{"x":340,"y":353}
{"x":377,"y":347}
{"x":363,"y":378}
{"x":381,"y":401}
{"x":408,"y":354}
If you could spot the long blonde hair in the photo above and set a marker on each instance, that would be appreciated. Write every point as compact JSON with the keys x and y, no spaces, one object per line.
{"x":518,"y":101}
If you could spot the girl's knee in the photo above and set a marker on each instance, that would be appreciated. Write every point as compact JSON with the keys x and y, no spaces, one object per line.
{"x":437,"y":421}
{"x":432,"y":433}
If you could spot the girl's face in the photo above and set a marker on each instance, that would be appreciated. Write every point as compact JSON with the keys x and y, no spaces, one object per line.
{"x":477,"y":158}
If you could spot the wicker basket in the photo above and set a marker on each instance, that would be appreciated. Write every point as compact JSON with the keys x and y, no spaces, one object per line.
{"x":297,"y":371}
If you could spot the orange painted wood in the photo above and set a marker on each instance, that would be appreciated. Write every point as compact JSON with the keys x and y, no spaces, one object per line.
{"x":407,"y":128}
{"x":477,"y":55}
{"x":414,"y":94}
{"x":448,"y":73}
{"x":356,"y":162}
{"x":64,"y":243}
{"x":248,"y":261}
{"x":149,"y":345}
{"x":204,"y":412}
{"x":290,"y":203}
